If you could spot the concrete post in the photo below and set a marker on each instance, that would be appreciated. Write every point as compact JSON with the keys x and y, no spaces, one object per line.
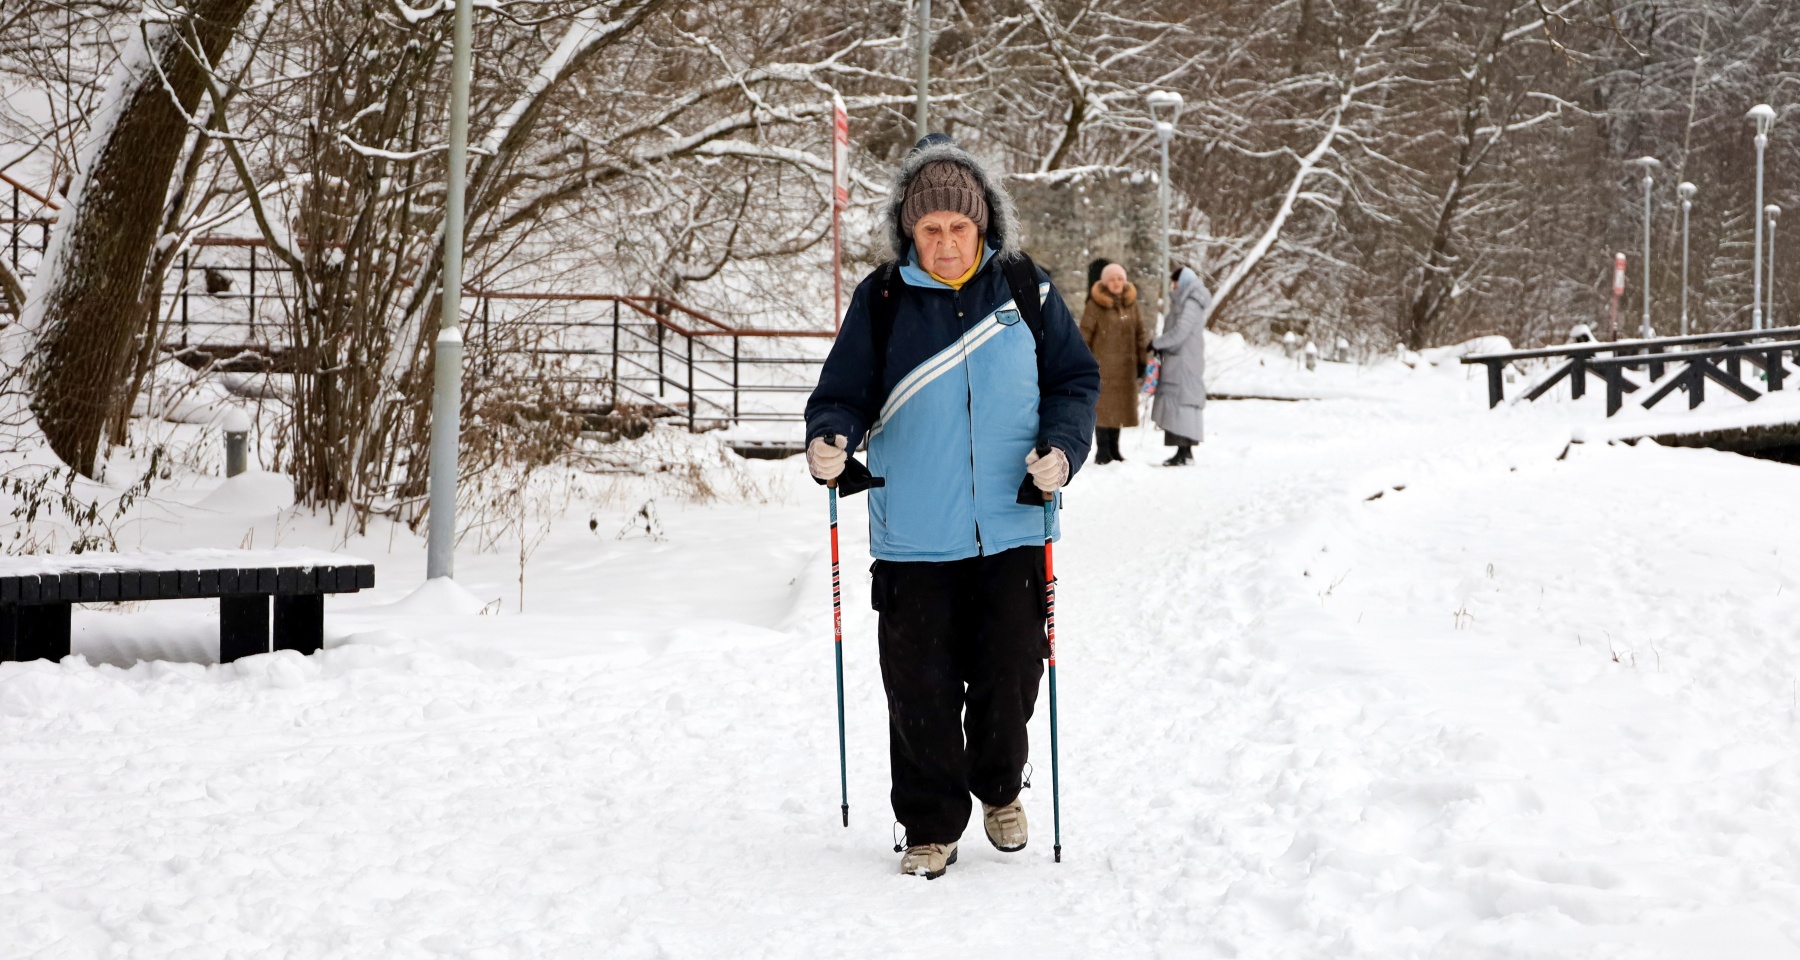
{"x":237,"y":442}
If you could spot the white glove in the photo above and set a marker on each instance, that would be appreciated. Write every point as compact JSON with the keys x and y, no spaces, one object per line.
{"x":1048,"y":472}
{"x":825,"y":457}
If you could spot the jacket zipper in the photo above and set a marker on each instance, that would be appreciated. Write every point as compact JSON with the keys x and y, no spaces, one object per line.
{"x":969,"y":397}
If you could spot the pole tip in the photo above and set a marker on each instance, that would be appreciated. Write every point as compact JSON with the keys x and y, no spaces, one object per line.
{"x":1059,"y":853}
{"x":846,"y":815}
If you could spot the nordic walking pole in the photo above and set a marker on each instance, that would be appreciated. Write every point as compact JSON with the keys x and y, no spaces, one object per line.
{"x":1030,"y":495}
{"x":855,"y":479}
{"x":837,"y":630}
{"x":1050,"y":627}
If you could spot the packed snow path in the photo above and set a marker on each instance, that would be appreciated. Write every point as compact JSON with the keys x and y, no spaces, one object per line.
{"x":1522,"y":707}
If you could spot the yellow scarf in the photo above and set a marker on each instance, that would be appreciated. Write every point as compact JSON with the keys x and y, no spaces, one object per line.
{"x":957,"y":284}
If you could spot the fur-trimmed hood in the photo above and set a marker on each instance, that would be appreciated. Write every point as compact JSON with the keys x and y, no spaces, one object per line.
{"x":1003,"y":221}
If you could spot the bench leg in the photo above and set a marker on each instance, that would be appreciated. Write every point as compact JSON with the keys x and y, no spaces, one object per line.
{"x":43,"y":631}
{"x":243,"y":626}
{"x":300,"y":622}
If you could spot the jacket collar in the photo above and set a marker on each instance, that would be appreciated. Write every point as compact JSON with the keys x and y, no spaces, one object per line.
{"x":917,"y":276}
{"x":1099,"y":294}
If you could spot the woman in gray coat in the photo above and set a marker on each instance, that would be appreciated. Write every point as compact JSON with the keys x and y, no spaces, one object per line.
{"x":1181,"y":386}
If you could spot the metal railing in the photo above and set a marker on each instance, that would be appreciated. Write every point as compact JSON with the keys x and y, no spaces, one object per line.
{"x":1718,"y":358}
{"x":604,"y":353}
{"x":26,"y":216}
{"x":660,"y":356}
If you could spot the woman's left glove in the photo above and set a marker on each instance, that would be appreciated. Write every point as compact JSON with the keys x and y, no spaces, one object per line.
{"x":1048,"y":472}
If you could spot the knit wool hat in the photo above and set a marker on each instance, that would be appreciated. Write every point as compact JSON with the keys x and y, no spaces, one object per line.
{"x":944,"y":185}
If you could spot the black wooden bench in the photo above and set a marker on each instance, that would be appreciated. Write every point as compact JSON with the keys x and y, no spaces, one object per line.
{"x":37,"y":594}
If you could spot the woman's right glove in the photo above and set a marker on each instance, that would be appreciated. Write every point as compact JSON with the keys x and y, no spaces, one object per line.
{"x":825,"y":457}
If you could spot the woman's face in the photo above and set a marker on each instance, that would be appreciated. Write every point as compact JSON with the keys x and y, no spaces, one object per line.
{"x":947,"y":243}
{"x":1113,"y":279}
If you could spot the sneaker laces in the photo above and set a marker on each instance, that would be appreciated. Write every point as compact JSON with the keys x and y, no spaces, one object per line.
{"x":1006,"y":817}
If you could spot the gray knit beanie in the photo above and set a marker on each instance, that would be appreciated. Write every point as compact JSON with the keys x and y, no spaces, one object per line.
{"x":944,"y":185}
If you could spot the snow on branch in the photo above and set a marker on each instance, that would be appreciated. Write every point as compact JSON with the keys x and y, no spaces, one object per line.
{"x":376,"y":153}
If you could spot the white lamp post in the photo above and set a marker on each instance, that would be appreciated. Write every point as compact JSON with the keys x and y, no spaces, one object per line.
{"x":1649,"y":164}
{"x":1773,"y":213}
{"x":1686,"y":190}
{"x":1764,"y":115}
{"x":1165,"y":109}
{"x":922,"y":112}
{"x":446,"y":396}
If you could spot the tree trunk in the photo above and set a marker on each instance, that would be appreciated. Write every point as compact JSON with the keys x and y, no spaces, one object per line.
{"x":91,"y":299}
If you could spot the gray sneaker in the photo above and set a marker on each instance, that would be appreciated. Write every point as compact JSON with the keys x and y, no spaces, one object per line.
{"x":1005,"y":826}
{"x":928,"y":860}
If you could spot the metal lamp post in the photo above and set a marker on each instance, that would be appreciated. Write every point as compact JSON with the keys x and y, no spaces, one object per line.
{"x":1764,"y":115}
{"x":922,"y":112}
{"x":1686,"y":190}
{"x":1773,"y":213}
{"x":1649,"y":164}
{"x":446,"y":397}
{"x":1165,"y":109}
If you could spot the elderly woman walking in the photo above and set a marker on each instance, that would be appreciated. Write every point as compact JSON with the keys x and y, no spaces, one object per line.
{"x":1114,"y":331}
{"x":1181,"y":383}
{"x":971,"y":395}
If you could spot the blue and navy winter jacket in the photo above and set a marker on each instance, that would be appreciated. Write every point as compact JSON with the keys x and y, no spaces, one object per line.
{"x":959,"y":405}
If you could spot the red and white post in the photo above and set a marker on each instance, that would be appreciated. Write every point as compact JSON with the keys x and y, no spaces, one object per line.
{"x":840,"y":198}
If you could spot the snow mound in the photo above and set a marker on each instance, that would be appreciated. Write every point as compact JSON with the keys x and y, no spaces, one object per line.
{"x":438,"y":596}
{"x":255,"y":492}
{"x":1439,"y":356}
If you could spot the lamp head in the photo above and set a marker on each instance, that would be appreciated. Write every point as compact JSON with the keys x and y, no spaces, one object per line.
{"x":1165,"y":105}
{"x":1686,"y":190}
{"x":1764,"y":115}
{"x":1772,"y":211}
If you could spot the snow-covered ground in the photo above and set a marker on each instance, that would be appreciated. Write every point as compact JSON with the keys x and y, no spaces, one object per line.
{"x":1514,"y":706}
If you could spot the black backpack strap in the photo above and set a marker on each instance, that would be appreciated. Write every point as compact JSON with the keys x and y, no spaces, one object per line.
{"x":883,"y":306}
{"x":1022,"y":278}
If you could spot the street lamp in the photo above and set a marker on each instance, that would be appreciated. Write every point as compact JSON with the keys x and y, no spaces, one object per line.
{"x":1686,"y":190}
{"x":1773,"y":212}
{"x":1649,"y":164}
{"x":1165,"y":109}
{"x":446,"y":394}
{"x":922,"y":112}
{"x":1764,"y":115}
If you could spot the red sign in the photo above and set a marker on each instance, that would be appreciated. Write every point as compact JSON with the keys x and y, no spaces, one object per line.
{"x":1618,"y":274}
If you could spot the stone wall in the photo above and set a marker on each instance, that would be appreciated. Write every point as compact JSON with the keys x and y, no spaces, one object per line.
{"x":1068,"y":219}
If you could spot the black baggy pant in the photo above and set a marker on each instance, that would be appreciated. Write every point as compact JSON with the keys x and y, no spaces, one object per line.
{"x":962,"y":651}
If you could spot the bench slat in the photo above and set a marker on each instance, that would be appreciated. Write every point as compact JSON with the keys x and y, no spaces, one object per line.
{"x":98,"y":586}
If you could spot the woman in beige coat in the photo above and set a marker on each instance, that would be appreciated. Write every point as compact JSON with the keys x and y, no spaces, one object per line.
{"x":1115,"y":333}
